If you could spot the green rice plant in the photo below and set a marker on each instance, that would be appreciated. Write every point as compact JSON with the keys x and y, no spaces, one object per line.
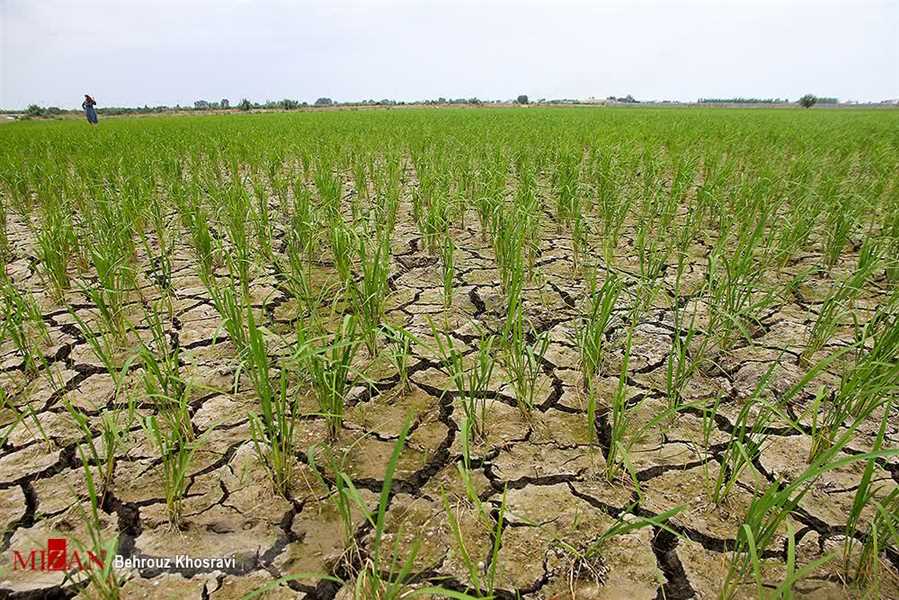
{"x":5,"y":252}
{"x":164,"y":385}
{"x":370,"y":291}
{"x":770,"y":509}
{"x":382,"y":573}
{"x":882,"y":533}
{"x":749,"y":433}
{"x":736,"y":298}
{"x":862,"y":386}
{"x":399,"y":348}
{"x":593,"y":324}
{"x":229,"y":304}
{"x":161,"y":259}
{"x":875,"y":374}
{"x":114,"y":432}
{"x":449,"y":271}
{"x":793,"y":574}
{"x":579,"y":234}
{"x":747,"y":438}
{"x":891,"y":235}
{"x":24,"y":324}
{"x":272,"y":430}
{"x":343,"y":244}
{"x":840,"y":221}
{"x":797,"y":226}
{"x":565,"y":182}
{"x":203,"y":244}
{"x":830,"y":411}
{"x":103,"y":583}
{"x":329,"y":187}
{"x":523,"y":361}
{"x":328,"y":367}
{"x":56,"y":244}
{"x":9,"y":425}
{"x":618,"y":416}
{"x":685,"y":355}
{"x":508,"y":242}
{"x":652,"y":253}
{"x":261,"y":215}
{"x":586,"y":557}
{"x":431,"y":204}
{"x":491,"y":182}
{"x":481,"y":574}
{"x":176,"y":454}
{"x":865,"y":492}
{"x":472,"y":383}
{"x":109,"y":294}
{"x":838,"y":303}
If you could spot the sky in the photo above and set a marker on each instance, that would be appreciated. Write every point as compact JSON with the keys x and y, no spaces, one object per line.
{"x":131,"y":53}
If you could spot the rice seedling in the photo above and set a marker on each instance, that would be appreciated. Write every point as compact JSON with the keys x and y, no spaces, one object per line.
{"x":56,"y":244}
{"x":481,"y":574}
{"x":5,"y":251}
{"x":383,"y":573}
{"x":399,"y":347}
{"x":882,"y":535}
{"x":371,"y":290}
{"x":862,"y":387}
{"x":586,"y":558}
{"x":176,"y":454}
{"x":617,"y":415}
{"x":261,"y":214}
{"x":272,"y":430}
{"x":449,"y":270}
{"x":471,"y":384}
{"x":230,"y":306}
{"x":523,"y":361}
{"x":592,"y":327}
{"x":103,"y":583}
{"x":865,"y":494}
{"x":838,"y":303}
{"x":24,"y":324}
{"x":327,"y":363}
{"x":164,"y":384}
{"x":103,"y":449}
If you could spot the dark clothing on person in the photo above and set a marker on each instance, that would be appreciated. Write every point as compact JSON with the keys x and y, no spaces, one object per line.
{"x":89,"y":111}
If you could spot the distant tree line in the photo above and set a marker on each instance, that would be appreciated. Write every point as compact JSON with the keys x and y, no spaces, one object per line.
{"x":626,"y":100}
{"x":740,"y":100}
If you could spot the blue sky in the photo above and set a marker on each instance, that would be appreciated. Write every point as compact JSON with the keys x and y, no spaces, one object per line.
{"x":153,"y":52}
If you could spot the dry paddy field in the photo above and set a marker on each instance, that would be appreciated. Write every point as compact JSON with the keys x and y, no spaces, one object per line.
{"x":560,"y":353}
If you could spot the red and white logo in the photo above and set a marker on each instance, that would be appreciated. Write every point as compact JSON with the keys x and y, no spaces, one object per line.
{"x":56,"y":557}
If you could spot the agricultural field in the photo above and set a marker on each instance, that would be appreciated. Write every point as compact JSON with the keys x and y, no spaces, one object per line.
{"x":452,"y":353}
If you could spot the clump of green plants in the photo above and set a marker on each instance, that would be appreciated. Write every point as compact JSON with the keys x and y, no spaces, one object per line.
{"x":328,"y":364}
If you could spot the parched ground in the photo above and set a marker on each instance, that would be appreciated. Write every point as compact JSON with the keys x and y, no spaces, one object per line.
{"x":557,"y":494}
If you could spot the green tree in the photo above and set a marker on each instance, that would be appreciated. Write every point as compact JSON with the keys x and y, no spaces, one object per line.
{"x":522,"y":99}
{"x":808,"y":101}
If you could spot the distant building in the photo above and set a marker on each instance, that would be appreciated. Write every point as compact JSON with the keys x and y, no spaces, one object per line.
{"x":201,"y":105}
{"x":225,"y":103}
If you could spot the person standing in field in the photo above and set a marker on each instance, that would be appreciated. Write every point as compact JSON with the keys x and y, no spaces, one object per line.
{"x":89,"y":111}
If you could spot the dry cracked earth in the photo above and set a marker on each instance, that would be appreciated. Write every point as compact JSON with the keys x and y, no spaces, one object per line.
{"x":556,"y":492}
